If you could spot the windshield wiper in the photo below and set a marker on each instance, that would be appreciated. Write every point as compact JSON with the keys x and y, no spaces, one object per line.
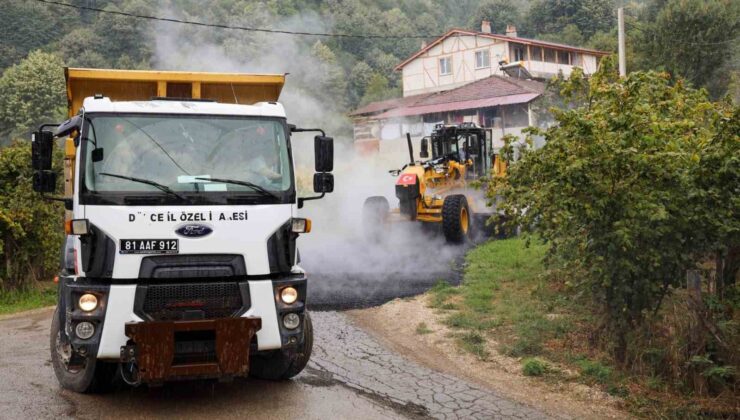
{"x":157,"y":185}
{"x":251,"y":185}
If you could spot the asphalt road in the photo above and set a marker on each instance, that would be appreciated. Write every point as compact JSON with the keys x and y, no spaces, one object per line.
{"x":346,"y":271}
{"x":350,"y":376}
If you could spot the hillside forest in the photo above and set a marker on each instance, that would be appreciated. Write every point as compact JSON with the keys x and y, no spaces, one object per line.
{"x":693,"y":39}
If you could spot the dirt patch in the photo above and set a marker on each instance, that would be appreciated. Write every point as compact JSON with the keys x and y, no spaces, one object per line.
{"x":396,"y":325}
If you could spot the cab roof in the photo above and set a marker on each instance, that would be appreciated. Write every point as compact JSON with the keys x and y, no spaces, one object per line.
{"x":188,"y":107}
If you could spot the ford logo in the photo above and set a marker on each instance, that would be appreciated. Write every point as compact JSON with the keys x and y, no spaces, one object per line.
{"x":193,"y":231}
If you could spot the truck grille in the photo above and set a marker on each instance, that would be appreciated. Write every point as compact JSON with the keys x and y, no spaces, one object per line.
{"x":173,"y":302}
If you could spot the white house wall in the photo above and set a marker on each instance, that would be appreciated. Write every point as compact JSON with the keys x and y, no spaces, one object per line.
{"x":422,"y":75}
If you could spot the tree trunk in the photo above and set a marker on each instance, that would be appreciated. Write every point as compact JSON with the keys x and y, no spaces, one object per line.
{"x":697,"y":343}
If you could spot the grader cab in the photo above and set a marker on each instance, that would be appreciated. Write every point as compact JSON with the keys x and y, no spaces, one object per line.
{"x":437,"y":191}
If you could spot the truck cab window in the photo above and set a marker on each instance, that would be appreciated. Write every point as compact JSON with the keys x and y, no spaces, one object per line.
{"x":182,"y":152}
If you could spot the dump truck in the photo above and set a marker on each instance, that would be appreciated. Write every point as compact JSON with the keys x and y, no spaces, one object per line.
{"x":437,"y":191}
{"x":180,"y":259}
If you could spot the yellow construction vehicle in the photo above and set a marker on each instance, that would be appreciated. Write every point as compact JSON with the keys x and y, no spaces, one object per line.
{"x":438,"y":190}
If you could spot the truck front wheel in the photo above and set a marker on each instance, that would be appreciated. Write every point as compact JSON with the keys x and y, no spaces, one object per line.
{"x":284,"y":364}
{"x":92,"y":376}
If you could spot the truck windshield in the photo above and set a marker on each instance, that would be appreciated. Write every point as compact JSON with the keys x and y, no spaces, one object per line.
{"x":186,"y":153}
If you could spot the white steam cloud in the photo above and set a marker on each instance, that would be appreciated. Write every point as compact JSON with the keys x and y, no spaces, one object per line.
{"x":336,"y":253}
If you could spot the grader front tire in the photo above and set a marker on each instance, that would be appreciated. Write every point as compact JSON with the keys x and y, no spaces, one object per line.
{"x":456,"y":219}
{"x":374,"y":214}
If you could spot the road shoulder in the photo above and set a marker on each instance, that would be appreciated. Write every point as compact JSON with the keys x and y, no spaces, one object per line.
{"x":395,"y":325}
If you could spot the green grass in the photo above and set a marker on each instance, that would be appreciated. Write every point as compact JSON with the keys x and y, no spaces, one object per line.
{"x":594,"y":371}
{"x":43,"y":295}
{"x":533,"y":366}
{"x":474,"y":343}
{"x":504,"y":287}
{"x":440,"y":293}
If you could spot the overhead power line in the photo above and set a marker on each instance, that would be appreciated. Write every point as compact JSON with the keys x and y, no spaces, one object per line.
{"x":232,"y":27}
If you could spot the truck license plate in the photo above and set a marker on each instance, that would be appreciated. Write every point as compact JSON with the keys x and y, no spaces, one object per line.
{"x":149,"y":246}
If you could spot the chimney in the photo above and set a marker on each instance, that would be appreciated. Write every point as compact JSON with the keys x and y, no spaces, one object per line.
{"x":511,"y":30}
{"x":485,"y":26}
{"x":423,"y":43}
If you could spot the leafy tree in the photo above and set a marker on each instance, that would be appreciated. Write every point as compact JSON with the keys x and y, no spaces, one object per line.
{"x":589,"y":16}
{"x":32,"y":93}
{"x":499,"y":12}
{"x":692,"y":39}
{"x":26,"y":26}
{"x":378,"y":89}
{"x":616,"y":191}
{"x":121,"y":35}
{"x":31,"y":229}
{"x":359,"y":78}
{"x":331,"y":84}
{"x":570,"y":35}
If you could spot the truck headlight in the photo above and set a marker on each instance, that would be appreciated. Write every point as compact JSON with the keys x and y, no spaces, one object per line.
{"x":300,"y":225}
{"x":85,"y":330}
{"x":291,"y":321}
{"x":77,"y":227}
{"x":289,"y":295}
{"x":88,"y":302}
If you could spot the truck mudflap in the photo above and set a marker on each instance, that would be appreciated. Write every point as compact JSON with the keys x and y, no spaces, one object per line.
{"x":162,"y":351}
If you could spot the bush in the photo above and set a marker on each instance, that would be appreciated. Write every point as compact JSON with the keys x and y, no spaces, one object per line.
{"x":632,"y":188}
{"x":594,"y":371}
{"x":534,"y":367}
{"x":31,"y":229}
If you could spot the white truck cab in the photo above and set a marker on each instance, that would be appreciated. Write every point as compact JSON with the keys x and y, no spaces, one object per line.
{"x":181,"y":259}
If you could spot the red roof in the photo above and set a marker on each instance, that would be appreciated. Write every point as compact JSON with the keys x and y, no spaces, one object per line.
{"x":375,"y":107}
{"x":525,"y":41}
{"x":454,"y":106}
{"x":488,"y":92}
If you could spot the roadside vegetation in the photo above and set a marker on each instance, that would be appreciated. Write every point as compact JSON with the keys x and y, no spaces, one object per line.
{"x":510,"y":303}
{"x":43,"y":294}
{"x":631,"y":212}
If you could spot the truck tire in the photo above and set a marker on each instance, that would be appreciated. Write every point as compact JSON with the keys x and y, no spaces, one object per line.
{"x":456,"y":218}
{"x":282,"y":365}
{"x":94,"y":378}
{"x":374,"y":214}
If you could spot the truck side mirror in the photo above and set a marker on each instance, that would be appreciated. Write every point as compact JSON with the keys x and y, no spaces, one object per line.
{"x":424,"y":152}
{"x":42,"y":147}
{"x":45,"y":181}
{"x":324,"y":154}
{"x":323,"y":182}
{"x":68,"y":127}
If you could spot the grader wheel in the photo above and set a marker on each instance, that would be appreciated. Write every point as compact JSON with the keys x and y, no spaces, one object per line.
{"x":456,"y":218}
{"x":374,"y":214}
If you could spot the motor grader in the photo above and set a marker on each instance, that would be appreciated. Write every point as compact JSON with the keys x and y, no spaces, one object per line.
{"x":437,"y":191}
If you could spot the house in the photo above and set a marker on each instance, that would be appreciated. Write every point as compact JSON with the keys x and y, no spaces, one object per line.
{"x":465,"y":76}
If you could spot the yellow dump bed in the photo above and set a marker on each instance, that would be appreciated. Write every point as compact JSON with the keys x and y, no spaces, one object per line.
{"x":143,"y":85}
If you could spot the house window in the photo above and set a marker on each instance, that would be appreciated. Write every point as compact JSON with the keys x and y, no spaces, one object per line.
{"x":445,"y":66}
{"x":536,"y":54}
{"x":564,"y":57}
{"x":482,"y":59}
{"x":550,"y":55}
{"x":518,"y":52}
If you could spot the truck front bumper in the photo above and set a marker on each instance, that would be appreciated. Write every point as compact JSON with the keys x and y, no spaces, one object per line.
{"x":121,"y":304}
{"x":174,"y":350}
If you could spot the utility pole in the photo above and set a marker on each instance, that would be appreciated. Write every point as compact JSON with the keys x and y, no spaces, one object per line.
{"x":622,"y":53}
